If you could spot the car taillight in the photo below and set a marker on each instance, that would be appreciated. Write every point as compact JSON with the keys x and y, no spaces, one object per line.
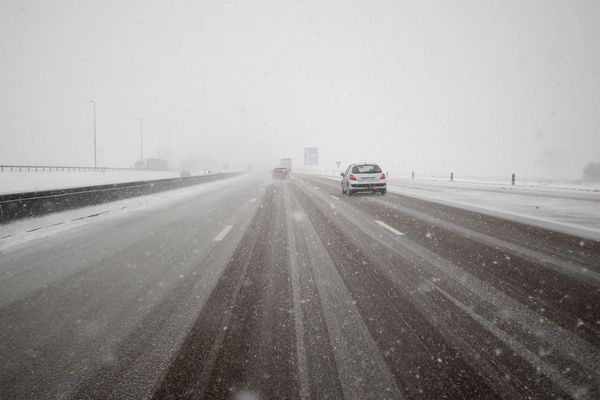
{"x":382,"y":176}
{"x":352,"y":177}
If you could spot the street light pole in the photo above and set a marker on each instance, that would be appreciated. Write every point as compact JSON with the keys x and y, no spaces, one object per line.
{"x":169,"y":138}
{"x":94,"y":103}
{"x":141,"y":139}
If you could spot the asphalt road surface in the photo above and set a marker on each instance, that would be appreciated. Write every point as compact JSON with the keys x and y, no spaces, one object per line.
{"x":289,"y":290}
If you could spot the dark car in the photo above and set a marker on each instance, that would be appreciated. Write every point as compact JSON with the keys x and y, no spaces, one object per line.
{"x":280,"y":173}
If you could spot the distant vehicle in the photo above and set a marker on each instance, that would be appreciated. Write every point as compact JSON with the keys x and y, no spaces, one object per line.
{"x":280,"y":173}
{"x":287,"y":163}
{"x":186,"y":173}
{"x":363,"y":178}
{"x":152,"y":164}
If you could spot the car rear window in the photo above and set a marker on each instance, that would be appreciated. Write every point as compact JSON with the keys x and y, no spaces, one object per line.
{"x":366,"y":169}
{"x":280,"y":170}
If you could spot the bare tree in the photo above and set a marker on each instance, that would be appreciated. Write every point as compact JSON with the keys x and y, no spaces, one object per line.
{"x":591,"y":172}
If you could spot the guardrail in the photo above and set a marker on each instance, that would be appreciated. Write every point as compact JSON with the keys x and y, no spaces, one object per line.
{"x":32,"y":204}
{"x":56,"y":168}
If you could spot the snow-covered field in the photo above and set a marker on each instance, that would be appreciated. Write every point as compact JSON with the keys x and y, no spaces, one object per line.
{"x":573,"y":209}
{"x":18,"y":182}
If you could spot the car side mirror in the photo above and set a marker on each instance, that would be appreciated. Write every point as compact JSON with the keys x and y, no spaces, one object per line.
{"x":342,"y":174}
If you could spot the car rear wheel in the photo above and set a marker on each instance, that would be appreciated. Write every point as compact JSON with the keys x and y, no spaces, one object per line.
{"x":383,"y":191}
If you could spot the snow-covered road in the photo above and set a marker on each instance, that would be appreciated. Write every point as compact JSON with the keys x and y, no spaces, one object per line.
{"x":247,"y":288}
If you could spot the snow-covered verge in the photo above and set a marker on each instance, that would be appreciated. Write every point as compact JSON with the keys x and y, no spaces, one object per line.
{"x":491,"y":183}
{"x":24,"y":230}
{"x":529,"y":186}
{"x":573,"y":211}
{"x":578,"y":216}
{"x":19,"y":182}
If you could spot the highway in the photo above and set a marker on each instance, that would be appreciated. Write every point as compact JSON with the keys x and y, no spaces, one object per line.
{"x":289,"y":290}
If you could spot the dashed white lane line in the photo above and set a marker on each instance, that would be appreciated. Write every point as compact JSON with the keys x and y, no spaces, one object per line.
{"x":223,"y":233}
{"x":316,"y":187}
{"x":389,"y":228}
{"x":337,"y":198}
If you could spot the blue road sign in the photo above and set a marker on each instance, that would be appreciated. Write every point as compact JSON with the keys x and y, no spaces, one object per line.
{"x":311,"y":156}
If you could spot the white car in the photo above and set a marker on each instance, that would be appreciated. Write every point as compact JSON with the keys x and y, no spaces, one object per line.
{"x":366,"y":177}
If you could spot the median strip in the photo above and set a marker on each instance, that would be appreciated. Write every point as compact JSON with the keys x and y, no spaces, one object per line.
{"x":223,"y":233}
{"x":389,"y":228}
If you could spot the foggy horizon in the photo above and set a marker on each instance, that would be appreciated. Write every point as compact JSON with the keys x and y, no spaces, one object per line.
{"x":477,"y":89}
{"x":235,"y":271}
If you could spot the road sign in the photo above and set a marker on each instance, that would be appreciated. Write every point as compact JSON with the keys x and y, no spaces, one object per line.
{"x":311,"y":156}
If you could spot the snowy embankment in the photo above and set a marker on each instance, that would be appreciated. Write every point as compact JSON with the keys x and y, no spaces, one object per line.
{"x":19,"y":182}
{"x":565,"y":207}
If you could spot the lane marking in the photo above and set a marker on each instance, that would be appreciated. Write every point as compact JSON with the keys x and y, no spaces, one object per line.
{"x":223,"y":233}
{"x":389,"y":228}
{"x":337,"y":198}
{"x":316,"y":187}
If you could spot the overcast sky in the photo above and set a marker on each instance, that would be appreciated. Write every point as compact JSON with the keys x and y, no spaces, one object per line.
{"x":481,"y":88}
